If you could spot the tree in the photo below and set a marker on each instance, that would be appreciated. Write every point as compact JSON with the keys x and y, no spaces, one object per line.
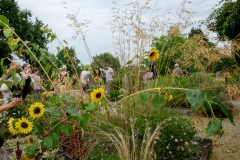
{"x":225,"y":21}
{"x":106,"y":58}
{"x":67,"y":56}
{"x":169,"y":47}
{"x":23,"y":26}
{"x":198,"y":32}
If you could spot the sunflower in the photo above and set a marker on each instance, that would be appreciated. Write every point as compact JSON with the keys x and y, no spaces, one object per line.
{"x":12,"y":127}
{"x":153,"y":55}
{"x":36,"y":110}
{"x":24,"y":125}
{"x":30,"y":140}
{"x":97,"y":94}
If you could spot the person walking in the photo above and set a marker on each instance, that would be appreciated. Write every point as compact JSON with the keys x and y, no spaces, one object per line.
{"x":36,"y":79}
{"x":177,"y":71}
{"x":109,"y":78}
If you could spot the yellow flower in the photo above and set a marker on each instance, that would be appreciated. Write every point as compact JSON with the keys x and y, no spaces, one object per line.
{"x":27,"y":158}
{"x":97,"y":94}
{"x":43,"y":96}
{"x":170,"y":98}
{"x":96,"y":79}
{"x":11,"y":126}
{"x":24,"y":125}
{"x":153,"y":55}
{"x":195,"y":123}
{"x":36,"y":110}
{"x":155,"y":155}
{"x":30,"y":140}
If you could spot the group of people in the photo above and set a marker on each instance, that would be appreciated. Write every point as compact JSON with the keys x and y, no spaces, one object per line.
{"x":151,"y":74}
{"x":87,"y":79}
{"x":28,"y":73}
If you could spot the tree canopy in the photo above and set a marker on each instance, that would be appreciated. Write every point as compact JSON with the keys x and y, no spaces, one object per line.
{"x":225,"y":20}
{"x":106,"y":58}
{"x":67,"y":56}
{"x":21,"y":21}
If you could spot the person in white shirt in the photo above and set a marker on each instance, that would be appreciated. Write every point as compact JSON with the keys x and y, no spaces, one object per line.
{"x":8,"y":92}
{"x":83,"y":81}
{"x":109,"y":78}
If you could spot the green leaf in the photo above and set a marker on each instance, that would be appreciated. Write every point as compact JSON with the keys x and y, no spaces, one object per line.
{"x":3,"y":21}
{"x":89,"y":106}
{"x":48,"y":35}
{"x":54,"y":101}
{"x":43,"y":59}
{"x":224,"y":109}
{"x":48,"y":67}
{"x":53,"y":36}
{"x":72,"y":111}
{"x":143,"y":97}
{"x":129,"y":62}
{"x":8,"y":33}
{"x":213,"y":127}
{"x":157,"y":100}
{"x":52,"y":140}
{"x":196,"y":98}
{"x":13,"y":72}
{"x":67,"y":130}
{"x":16,"y":80}
{"x":38,"y":128}
{"x":53,"y":111}
{"x":65,"y":53}
{"x":83,"y":120}
{"x":12,"y":43}
{"x":9,"y":84}
{"x":58,"y":48}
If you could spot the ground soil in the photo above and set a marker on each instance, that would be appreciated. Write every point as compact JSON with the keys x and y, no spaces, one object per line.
{"x":228,"y":146}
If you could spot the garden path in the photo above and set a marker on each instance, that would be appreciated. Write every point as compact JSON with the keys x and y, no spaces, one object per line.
{"x":228,"y":146}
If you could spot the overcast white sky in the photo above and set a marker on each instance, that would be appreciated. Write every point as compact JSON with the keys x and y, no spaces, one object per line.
{"x":99,"y":37}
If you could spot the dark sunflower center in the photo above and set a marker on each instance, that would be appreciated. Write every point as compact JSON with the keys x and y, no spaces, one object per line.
{"x":30,"y":140}
{"x":24,"y":125}
{"x":98,"y":95}
{"x":37,"y":110}
{"x":152,"y":53}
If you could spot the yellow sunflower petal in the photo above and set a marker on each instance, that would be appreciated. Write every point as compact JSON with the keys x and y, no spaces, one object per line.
{"x":11,"y":126}
{"x":97,"y":94}
{"x":13,"y":130}
{"x":24,"y":125}
{"x":36,"y":110}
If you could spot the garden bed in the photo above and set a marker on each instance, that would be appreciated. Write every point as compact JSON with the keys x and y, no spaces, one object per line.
{"x":205,"y":149}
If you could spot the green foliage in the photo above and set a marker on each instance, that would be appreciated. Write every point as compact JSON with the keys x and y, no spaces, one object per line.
{"x":227,"y":63}
{"x":63,"y":57}
{"x":20,"y":20}
{"x":106,"y":58}
{"x":169,"y":47}
{"x":225,"y":20}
